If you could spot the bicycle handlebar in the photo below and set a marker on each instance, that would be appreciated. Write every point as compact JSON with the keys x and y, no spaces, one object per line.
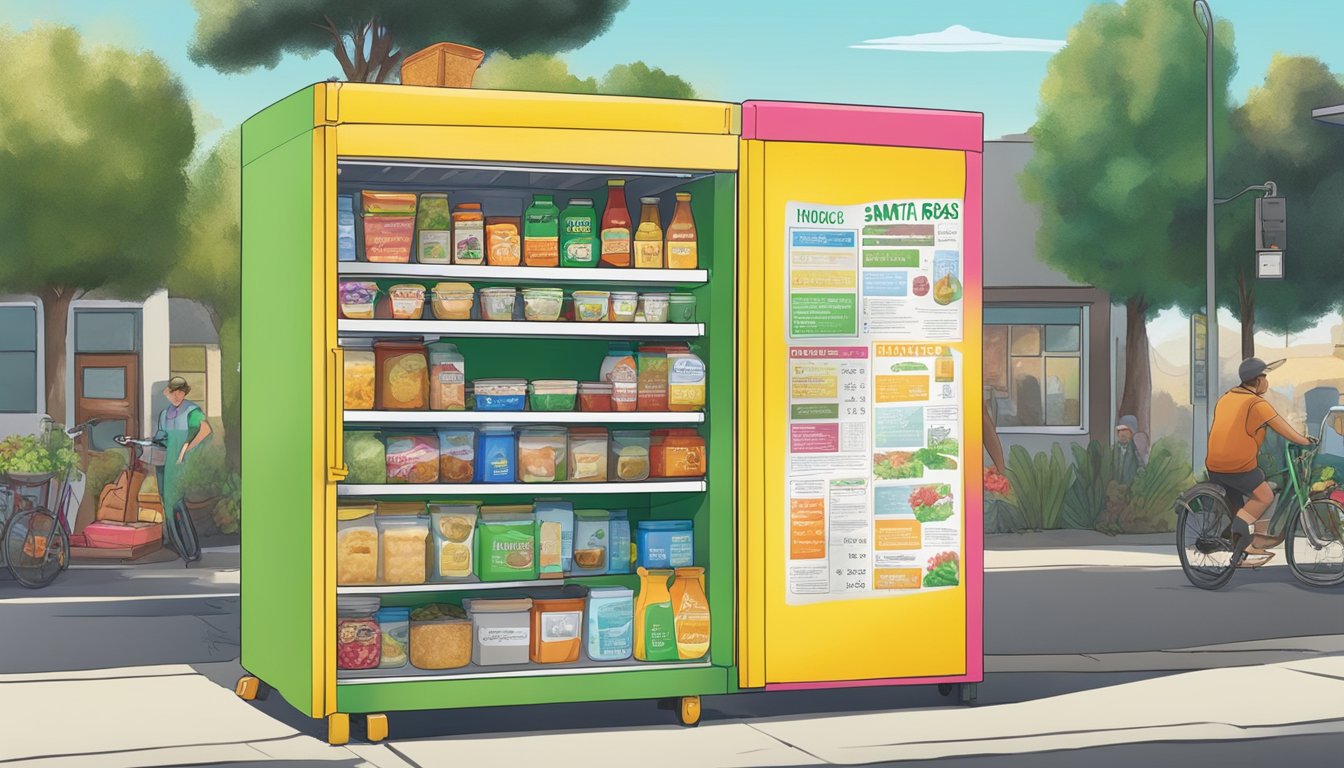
{"x":144,"y":443}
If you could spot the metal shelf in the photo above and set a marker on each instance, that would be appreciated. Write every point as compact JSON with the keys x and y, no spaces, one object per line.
{"x":517,"y":329}
{"x":523,"y":417}
{"x":470,"y":586}
{"x":521,"y":489}
{"x":365,"y":677}
{"x":525,"y":274}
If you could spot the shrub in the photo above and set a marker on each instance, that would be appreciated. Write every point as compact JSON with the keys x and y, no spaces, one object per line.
{"x":228,"y":512}
{"x":104,"y":466}
{"x":1148,"y":504}
{"x":205,"y":474}
{"x":1039,"y":483}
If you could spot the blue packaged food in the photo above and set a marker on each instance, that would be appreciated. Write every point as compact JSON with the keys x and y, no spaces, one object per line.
{"x":496,"y":455}
{"x":345,"y":228}
{"x":665,"y":543}
{"x":611,"y":623}
{"x":618,"y":533}
{"x":500,"y":394}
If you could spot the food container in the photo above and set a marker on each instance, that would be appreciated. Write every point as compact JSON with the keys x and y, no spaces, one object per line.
{"x":358,"y":299}
{"x":541,"y":454}
{"x":611,"y":623}
{"x":440,"y":637}
{"x":447,"y":377}
{"x":457,"y":454}
{"x":685,"y":380}
{"x":555,"y":537}
{"x":497,"y":303}
{"x":619,"y":558}
{"x":403,"y":375}
{"x":358,"y":640}
{"x":453,"y":529}
{"x":676,"y":453}
{"x":567,"y":309}
{"x":591,"y":306}
{"x":621,"y":369}
{"x":681,"y":308}
{"x":389,"y":226}
{"x":502,"y":629}
{"x":542,"y":304}
{"x":405,"y":545}
{"x":588,"y":454}
{"x":557,"y":630}
{"x":360,"y":379}
{"x":496,"y":454}
{"x":407,"y":300}
{"x":651,"y":387}
{"x":345,"y":228}
{"x":356,"y":545}
{"x":665,"y":543}
{"x":452,"y":301}
{"x":652,"y":308}
{"x":412,"y":457}
{"x":595,"y":396}
{"x":434,"y":224}
{"x":506,"y":543}
{"x":623,"y":306}
{"x":500,"y":394}
{"x":629,"y":461}
{"x":553,"y":394}
{"x":591,"y":539}
{"x":504,"y":242}
{"x":366,"y":456}
{"x":395,"y":626}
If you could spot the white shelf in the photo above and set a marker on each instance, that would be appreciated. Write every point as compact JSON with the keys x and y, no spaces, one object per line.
{"x":516,"y":329}
{"x":543,"y":670}
{"x":523,"y":417}
{"x":521,"y":489}
{"x":525,"y":274}
{"x":451,"y":586}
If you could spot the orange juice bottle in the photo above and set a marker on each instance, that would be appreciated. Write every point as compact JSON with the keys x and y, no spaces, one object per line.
{"x":649,"y":236}
{"x":691,"y":610}
{"x":682,"y":249}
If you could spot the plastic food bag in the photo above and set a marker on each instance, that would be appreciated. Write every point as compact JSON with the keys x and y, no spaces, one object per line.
{"x":366,"y":458}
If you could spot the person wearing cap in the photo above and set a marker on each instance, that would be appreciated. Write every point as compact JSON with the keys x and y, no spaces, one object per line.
{"x":1130,"y":442}
{"x":182,"y":428}
{"x":1240,"y":421}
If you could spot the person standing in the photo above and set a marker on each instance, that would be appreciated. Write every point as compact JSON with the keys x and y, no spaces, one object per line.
{"x":182,"y":428}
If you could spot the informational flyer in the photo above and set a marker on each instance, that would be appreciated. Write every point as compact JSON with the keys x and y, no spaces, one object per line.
{"x":875,"y":419}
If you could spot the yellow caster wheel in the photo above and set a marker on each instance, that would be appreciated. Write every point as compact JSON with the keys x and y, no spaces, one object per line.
{"x":688,"y":711}
{"x":247,"y":688}
{"x":338,"y":729}
{"x":375,"y":728}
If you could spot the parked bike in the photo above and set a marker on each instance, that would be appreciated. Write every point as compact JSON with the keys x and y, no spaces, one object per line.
{"x":178,"y":529}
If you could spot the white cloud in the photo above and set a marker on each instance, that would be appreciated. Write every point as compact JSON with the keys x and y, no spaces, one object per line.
{"x":959,"y":39}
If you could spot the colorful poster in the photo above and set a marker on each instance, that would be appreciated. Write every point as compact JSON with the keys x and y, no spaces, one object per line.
{"x":875,"y":424}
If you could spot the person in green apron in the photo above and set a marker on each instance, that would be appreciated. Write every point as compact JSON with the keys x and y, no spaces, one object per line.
{"x":182,"y":427}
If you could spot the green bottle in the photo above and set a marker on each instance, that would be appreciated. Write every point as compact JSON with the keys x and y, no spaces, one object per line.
{"x":578,"y":234}
{"x":541,"y":233}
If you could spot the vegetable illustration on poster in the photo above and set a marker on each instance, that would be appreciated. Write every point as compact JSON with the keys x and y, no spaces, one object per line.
{"x":875,"y":403}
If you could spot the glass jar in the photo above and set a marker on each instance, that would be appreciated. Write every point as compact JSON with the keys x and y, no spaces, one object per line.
{"x":358,"y":638}
{"x":541,"y":454}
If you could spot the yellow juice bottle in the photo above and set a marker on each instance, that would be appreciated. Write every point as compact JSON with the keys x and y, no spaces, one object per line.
{"x":655,"y":632}
{"x":691,"y":610}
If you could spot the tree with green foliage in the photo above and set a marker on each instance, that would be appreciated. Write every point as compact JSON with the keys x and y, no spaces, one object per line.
{"x":208,"y":269}
{"x":1119,"y":152}
{"x":370,"y":37}
{"x":540,"y":72}
{"x":1275,"y":139}
{"x":93,"y":145}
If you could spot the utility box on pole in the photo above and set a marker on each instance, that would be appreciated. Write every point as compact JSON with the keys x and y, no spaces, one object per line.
{"x":1271,"y":224}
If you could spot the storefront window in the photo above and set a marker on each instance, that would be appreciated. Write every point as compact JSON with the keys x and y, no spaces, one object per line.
{"x":1033,"y":367}
{"x":18,"y":359}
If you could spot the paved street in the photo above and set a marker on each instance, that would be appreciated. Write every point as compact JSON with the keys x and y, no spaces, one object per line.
{"x":1100,"y":654}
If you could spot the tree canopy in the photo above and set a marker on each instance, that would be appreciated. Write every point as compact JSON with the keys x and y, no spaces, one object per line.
{"x":370,"y":37}
{"x":540,"y":72}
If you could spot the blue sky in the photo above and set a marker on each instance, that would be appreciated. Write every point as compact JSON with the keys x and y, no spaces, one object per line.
{"x":739,"y":49}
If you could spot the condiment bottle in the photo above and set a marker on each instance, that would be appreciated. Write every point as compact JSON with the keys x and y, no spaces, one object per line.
{"x":541,"y":233}
{"x":649,"y":236}
{"x":682,"y":248}
{"x":615,"y":227}
{"x":468,"y":234}
{"x":578,"y":234}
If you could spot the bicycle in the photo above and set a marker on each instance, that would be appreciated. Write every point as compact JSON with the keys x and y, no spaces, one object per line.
{"x":36,"y":540}
{"x":178,"y":528}
{"x":1314,"y":522}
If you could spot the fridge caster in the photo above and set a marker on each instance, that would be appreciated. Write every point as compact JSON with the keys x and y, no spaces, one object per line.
{"x":338,"y":729}
{"x":375,"y":728}
{"x":946,"y":689}
{"x":249,"y":688}
{"x":969,"y":694}
{"x":688,"y":711}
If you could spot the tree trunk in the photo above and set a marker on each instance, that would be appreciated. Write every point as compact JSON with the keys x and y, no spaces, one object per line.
{"x":1246,"y":309}
{"x":55,"y":323}
{"x":1136,"y":397}
{"x":377,"y":64}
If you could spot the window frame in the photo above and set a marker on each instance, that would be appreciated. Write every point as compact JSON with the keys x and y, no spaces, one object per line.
{"x":1084,"y":378}
{"x":39,"y":356}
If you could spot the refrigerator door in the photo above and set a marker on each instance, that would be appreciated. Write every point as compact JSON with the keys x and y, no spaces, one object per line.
{"x":860,"y":475}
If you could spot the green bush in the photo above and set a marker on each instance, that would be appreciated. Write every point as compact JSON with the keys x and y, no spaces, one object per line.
{"x":1039,"y":483}
{"x":1093,"y":469}
{"x":205,"y":474}
{"x":228,"y":512}
{"x":1148,"y":505}
{"x":104,"y":466}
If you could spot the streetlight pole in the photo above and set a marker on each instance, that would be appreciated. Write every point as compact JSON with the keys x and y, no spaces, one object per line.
{"x":1204,"y":15}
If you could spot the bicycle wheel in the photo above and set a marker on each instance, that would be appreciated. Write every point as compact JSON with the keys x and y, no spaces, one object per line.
{"x":36,"y":547}
{"x":182,"y":534}
{"x":1203,"y":536}
{"x":1315,"y":543}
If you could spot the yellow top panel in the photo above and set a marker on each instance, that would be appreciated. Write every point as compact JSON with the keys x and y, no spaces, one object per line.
{"x":469,"y":107}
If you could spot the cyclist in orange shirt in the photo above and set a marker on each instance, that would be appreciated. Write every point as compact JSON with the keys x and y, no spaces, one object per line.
{"x":1238,"y":431}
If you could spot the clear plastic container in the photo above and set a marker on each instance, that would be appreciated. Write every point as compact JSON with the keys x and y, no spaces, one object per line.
{"x":404,"y":548}
{"x":356,"y":545}
{"x":403,"y":375}
{"x":588,"y":454}
{"x":623,"y":306}
{"x":591,"y":306}
{"x":447,"y":377}
{"x":553,"y":394}
{"x":595,"y":396}
{"x":629,"y":462}
{"x":440,"y":637}
{"x":500,"y":394}
{"x":541,"y":454}
{"x":619,"y":558}
{"x":681,"y":308}
{"x":652,"y":308}
{"x":361,"y":377}
{"x":452,"y":301}
{"x":358,"y":299}
{"x":457,"y":454}
{"x":407,"y":300}
{"x":395,"y":626}
{"x":453,"y":527}
{"x":542,"y":304}
{"x":498,"y":303}
{"x":591,"y":540}
{"x":502,"y":631}
{"x":358,"y":638}
{"x":611,"y":623}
